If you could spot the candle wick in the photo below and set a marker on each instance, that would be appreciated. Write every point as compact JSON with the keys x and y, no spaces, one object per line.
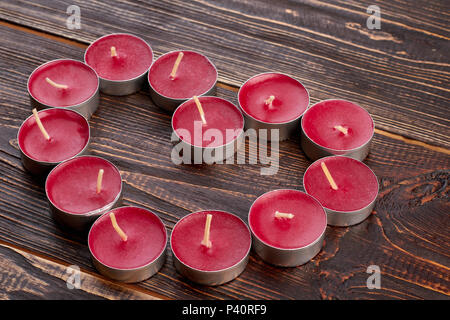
{"x":99,"y":180}
{"x":206,"y":242}
{"x":176,"y":65}
{"x":117,"y":228}
{"x":283,"y":215}
{"x":40,"y":125}
{"x":328,"y":175}
{"x":200,"y":109}
{"x":113,"y":51}
{"x":54,"y":84}
{"x":269,"y":101}
{"x":341,"y":129}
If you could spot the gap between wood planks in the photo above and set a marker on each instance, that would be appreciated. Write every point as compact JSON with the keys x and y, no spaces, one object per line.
{"x":219,"y":84}
{"x":95,"y":276}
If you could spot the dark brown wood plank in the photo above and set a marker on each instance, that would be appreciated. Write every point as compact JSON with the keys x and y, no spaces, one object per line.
{"x":27,"y":276}
{"x":405,"y":236}
{"x":399,"y":73}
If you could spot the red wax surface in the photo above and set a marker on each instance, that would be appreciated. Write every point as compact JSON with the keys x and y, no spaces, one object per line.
{"x":72,"y":185}
{"x":220,"y":115}
{"x":81,"y":80}
{"x":146,"y":240}
{"x":291,"y":98}
{"x":229,"y":236}
{"x":357,"y":184}
{"x":307,"y":225}
{"x":194,"y":77}
{"x":68,"y":131}
{"x":134,"y":57}
{"x":319,"y":121}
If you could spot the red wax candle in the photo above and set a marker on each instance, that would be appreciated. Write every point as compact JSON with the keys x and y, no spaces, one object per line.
{"x":72,"y":185}
{"x":357,"y":185}
{"x":304,"y":224}
{"x":81,"y":81}
{"x":338,"y":124}
{"x":195,"y":75}
{"x":146,"y":238}
{"x":68,"y":131}
{"x":132,"y":56}
{"x":229,"y":236}
{"x":290,"y":98}
{"x":220,"y":115}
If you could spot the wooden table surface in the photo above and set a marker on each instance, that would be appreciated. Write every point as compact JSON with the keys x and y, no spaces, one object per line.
{"x":399,"y":73}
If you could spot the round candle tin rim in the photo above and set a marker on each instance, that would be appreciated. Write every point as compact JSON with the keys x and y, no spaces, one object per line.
{"x":136,"y":268}
{"x":339,"y":211}
{"x":274,"y":123}
{"x":187,"y":98}
{"x":56,"y":162}
{"x":70,"y":106}
{"x":212,"y":271}
{"x":92,"y":212}
{"x":208,"y":147}
{"x":331,"y":150}
{"x":289,"y":249}
{"x":128,"y":34}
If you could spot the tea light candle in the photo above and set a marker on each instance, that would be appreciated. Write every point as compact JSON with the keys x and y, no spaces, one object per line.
{"x":288,"y":227}
{"x":178,"y":76}
{"x":336,"y":127}
{"x":64,"y":83}
{"x":79,"y":190}
{"x":273,"y":101}
{"x":50,"y":136}
{"x":345,"y":187}
{"x":128,"y":244}
{"x":121,"y":61}
{"x":193,"y":120}
{"x":210,"y":247}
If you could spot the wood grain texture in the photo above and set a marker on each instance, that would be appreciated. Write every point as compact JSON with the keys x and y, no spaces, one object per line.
{"x":399,"y":73}
{"x":407,"y":235}
{"x":27,"y":276}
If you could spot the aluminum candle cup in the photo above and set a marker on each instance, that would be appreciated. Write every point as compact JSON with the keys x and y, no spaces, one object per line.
{"x":273,"y":101}
{"x":357,"y":181}
{"x":321,"y":137}
{"x":224,"y":260}
{"x":221,"y":116}
{"x":125,"y":73}
{"x":66,"y":128}
{"x":168,"y":93}
{"x":139,"y":256}
{"x":71,"y":191}
{"x":288,"y":227}
{"x":122,"y":87}
{"x":81,"y":79}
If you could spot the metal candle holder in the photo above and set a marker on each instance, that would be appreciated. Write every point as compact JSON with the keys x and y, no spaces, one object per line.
{"x":41,"y":168}
{"x":286,"y":257}
{"x":210,"y":278}
{"x":131,"y":275}
{"x":170,"y":104}
{"x":122,"y":87}
{"x":85,"y":108}
{"x":347,"y":218}
{"x":76,"y":221}
{"x":227,"y":150}
{"x":315,"y":151}
{"x":286,"y":129}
